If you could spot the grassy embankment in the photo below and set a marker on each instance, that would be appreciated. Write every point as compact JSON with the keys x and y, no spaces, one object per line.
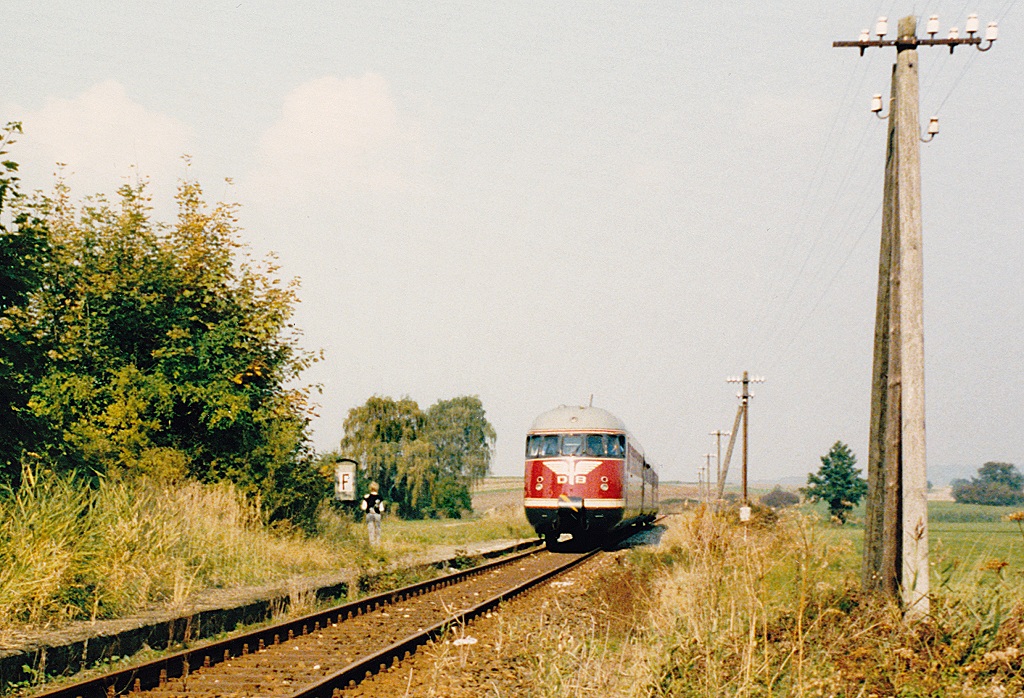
{"x":70,"y":553}
{"x":730,"y":610}
{"x":777,"y":610}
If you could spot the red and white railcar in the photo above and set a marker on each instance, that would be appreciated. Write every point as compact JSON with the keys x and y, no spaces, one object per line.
{"x":585,"y":474}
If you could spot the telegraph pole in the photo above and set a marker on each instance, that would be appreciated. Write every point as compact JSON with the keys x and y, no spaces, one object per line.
{"x":896,"y":527}
{"x":718,"y":434}
{"x":723,"y":468}
{"x":744,"y":397}
{"x":706,"y":493}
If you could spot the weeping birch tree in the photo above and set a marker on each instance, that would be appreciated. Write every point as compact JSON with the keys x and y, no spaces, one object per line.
{"x":424,"y":462}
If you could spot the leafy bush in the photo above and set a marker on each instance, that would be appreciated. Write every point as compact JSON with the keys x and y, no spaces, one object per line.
{"x":780,"y":498}
{"x":132,"y":347}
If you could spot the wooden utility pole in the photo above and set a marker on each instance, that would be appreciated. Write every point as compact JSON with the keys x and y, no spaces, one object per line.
{"x":913,"y":468}
{"x":706,"y":491}
{"x":896,"y":526}
{"x":878,"y":570}
{"x":723,"y":469}
{"x":720,"y":480}
{"x":744,"y":396}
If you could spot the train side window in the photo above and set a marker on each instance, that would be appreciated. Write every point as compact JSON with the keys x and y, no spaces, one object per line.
{"x":572,"y":445}
{"x":550,"y":446}
{"x":534,"y":445}
{"x":595,"y":445}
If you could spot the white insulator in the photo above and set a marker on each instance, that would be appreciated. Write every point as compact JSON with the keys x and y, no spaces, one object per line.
{"x":882,"y":27}
{"x":933,"y":126}
{"x":876,"y":104}
{"x":992,"y":31}
{"x":865,"y":35}
{"x":972,"y":24}
{"x":954,"y":33}
{"x":933,"y":25}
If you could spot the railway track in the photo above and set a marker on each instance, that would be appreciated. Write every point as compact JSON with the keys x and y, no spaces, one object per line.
{"x":321,"y":653}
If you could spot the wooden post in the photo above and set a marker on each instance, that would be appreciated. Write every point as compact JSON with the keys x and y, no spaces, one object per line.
{"x":719,"y":481}
{"x":892,"y":518}
{"x":724,"y":470}
{"x":896,"y":525}
{"x":871,"y":567}
{"x":746,"y":410}
{"x":914,"y":474}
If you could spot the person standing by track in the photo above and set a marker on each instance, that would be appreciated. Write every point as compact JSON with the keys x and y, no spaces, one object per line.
{"x":373,"y":505}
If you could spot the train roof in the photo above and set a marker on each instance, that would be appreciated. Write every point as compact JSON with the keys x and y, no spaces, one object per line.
{"x":577,"y":417}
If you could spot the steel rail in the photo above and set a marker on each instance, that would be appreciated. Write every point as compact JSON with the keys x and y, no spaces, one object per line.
{"x":379,"y":661}
{"x":154,"y":673}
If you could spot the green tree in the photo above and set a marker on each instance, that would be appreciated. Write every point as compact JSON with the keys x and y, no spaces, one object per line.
{"x":24,"y":255}
{"x":379,"y":435}
{"x":425,"y":463}
{"x":998,"y":484}
{"x":167,"y":352}
{"x":837,"y":482}
{"x":462,"y":442}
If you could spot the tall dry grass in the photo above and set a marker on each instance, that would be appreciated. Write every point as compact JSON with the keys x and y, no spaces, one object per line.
{"x":69,"y":552}
{"x":777,"y":610}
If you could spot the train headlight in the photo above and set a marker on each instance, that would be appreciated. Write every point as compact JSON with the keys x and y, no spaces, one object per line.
{"x":604,"y":486}
{"x":539,"y":486}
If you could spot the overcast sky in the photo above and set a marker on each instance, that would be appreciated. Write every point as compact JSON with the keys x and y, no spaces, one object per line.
{"x":539,"y":201}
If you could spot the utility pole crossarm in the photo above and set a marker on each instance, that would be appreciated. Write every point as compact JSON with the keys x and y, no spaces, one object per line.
{"x":909,"y":40}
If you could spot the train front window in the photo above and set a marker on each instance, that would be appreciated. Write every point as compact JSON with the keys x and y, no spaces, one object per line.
{"x":534,"y":445}
{"x":550,"y":446}
{"x":587,"y":445}
{"x":572,"y":445}
{"x":616,"y":445}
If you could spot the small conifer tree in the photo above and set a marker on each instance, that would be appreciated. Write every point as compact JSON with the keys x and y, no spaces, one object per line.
{"x":837,"y":482}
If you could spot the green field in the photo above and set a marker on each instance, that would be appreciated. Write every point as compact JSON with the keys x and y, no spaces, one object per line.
{"x":963,"y":538}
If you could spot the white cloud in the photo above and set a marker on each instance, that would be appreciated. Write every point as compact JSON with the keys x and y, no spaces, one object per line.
{"x":104,"y":138}
{"x":337,"y":136}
